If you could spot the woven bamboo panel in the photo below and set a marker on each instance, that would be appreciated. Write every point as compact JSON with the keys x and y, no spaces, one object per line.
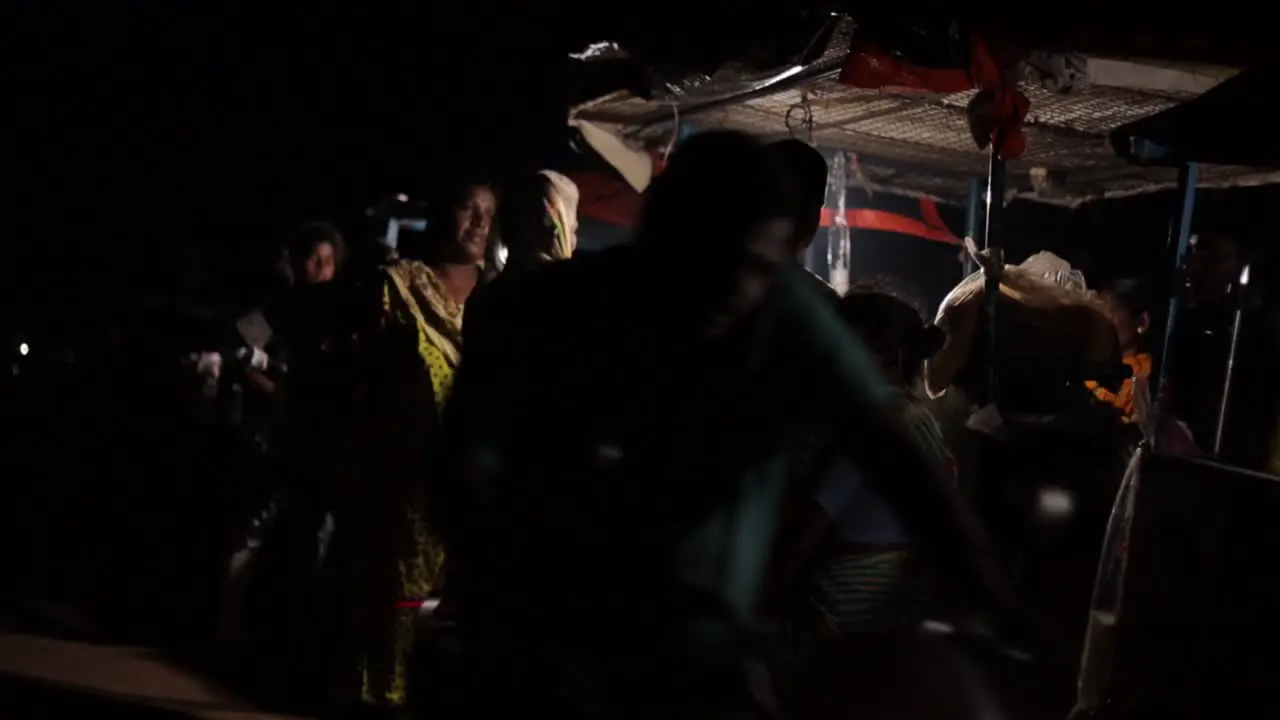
{"x":921,"y":142}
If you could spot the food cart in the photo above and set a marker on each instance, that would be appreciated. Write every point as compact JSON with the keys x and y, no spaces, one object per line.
{"x":1191,"y":542}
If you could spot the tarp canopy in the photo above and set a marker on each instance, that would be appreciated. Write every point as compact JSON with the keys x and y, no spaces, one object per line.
{"x":1081,"y":83}
{"x":1228,"y":125}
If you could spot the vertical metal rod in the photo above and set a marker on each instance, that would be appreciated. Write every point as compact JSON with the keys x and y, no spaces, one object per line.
{"x":1179,"y":241}
{"x":994,"y":241}
{"x":1226,"y":386}
{"x":1241,"y":290}
{"x":974,"y":220}
{"x":838,"y":239}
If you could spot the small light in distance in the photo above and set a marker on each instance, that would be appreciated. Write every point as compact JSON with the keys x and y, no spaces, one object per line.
{"x":23,"y":348}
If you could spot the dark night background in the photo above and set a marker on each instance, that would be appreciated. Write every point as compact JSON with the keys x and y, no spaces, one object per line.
{"x":163,"y":146}
{"x":173,"y":146}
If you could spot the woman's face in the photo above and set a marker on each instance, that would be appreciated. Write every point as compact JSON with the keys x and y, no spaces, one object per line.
{"x":320,"y":265}
{"x":1128,"y":328}
{"x":473,"y":219}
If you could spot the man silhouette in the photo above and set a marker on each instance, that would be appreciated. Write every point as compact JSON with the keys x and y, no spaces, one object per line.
{"x":618,"y":440}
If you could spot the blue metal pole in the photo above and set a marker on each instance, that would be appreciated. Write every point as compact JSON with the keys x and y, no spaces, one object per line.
{"x":1179,"y":243}
{"x":974,"y":220}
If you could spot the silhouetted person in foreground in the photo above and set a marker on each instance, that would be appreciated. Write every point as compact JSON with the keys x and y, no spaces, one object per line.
{"x":618,"y":451}
{"x":809,"y":444}
{"x":808,"y":171}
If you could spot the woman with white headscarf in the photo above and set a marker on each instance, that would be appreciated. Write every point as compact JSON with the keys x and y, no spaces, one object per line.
{"x":538,"y":219}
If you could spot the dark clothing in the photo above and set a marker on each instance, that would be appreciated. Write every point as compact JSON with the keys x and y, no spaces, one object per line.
{"x":819,"y":286}
{"x":633,"y":470}
{"x":315,"y":322}
{"x":318,"y":330}
{"x":1198,"y":368}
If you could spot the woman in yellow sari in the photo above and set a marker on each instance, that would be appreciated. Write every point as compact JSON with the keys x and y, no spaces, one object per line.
{"x":409,"y":353}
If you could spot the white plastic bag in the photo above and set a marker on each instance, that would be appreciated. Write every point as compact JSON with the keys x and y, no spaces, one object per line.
{"x":1047,"y":311}
{"x":1055,"y":270}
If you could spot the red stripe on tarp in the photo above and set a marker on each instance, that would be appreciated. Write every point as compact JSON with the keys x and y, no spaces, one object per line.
{"x":409,"y":604}
{"x":885,"y":221}
{"x":608,"y":199}
{"x":929,"y":213}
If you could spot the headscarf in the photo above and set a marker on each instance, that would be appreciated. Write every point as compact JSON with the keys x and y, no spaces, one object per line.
{"x":538,"y":219}
{"x":436,"y":314}
{"x":562,"y":207}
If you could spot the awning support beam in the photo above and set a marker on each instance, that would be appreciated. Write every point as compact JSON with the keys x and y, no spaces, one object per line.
{"x":1176,"y":250}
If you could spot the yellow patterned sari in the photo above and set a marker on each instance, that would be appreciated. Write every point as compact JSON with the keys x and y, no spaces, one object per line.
{"x":413,"y":353}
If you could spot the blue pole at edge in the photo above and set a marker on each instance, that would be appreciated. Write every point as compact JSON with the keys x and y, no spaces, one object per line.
{"x":1179,"y":243}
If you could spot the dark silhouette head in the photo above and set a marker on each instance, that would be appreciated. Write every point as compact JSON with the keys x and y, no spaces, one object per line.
{"x":1213,"y":267}
{"x":893,"y":331}
{"x":808,"y":169}
{"x":1130,"y":303}
{"x":718,"y":221}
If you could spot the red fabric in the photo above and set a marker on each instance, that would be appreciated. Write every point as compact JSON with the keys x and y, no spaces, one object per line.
{"x":996,"y":114}
{"x":872,"y":69}
{"x":933,"y":218}
{"x":1003,"y":107}
{"x":605,"y":197}
{"x":885,"y":221}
